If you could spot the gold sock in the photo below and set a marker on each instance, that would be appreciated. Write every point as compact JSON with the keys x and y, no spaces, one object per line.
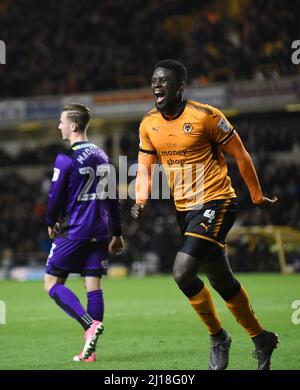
{"x":205,"y":308}
{"x":241,"y":309}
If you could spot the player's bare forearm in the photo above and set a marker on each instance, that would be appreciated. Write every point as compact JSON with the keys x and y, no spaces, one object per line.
{"x":247,"y":170}
{"x":144,"y":177}
{"x":143,"y":183}
{"x":142,"y":190}
{"x":249,"y":175}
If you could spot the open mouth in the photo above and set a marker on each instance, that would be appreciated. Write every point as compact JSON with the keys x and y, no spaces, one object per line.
{"x":159,"y":96}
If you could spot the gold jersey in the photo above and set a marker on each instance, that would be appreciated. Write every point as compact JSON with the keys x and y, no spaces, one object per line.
{"x":189,"y":148}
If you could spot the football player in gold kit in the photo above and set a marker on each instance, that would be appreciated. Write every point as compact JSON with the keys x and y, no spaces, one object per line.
{"x":188,"y":138}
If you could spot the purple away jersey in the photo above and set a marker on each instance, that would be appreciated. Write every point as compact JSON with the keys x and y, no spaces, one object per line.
{"x":76,"y":197}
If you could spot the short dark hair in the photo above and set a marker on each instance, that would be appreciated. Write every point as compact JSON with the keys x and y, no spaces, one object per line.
{"x":177,"y":67}
{"x":79,"y":114}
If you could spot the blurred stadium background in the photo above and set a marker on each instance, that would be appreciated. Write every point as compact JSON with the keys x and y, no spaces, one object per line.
{"x":238,"y":53}
{"x":101,"y":53}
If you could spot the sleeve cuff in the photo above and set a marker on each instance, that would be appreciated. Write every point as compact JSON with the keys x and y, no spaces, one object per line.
{"x":50,"y":223}
{"x":147,"y":151}
{"x":228,"y":137}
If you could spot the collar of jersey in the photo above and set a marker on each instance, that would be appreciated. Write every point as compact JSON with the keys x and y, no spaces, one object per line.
{"x":179,"y":113}
{"x":80,"y":145}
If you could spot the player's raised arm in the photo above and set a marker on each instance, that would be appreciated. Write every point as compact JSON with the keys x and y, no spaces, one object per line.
{"x":235,"y":148}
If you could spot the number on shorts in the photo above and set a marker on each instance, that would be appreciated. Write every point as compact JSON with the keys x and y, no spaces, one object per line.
{"x":51,"y":253}
{"x":210,"y":214}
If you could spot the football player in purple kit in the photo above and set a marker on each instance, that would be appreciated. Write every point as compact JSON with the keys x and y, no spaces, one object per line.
{"x":81,"y":221}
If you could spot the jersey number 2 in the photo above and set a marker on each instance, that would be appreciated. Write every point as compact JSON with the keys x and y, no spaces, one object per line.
{"x":101,"y":189}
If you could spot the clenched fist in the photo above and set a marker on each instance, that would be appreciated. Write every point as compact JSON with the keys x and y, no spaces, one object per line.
{"x":137,"y":210}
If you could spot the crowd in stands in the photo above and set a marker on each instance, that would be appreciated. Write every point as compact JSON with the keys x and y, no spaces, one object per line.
{"x":287,"y":136}
{"x":61,"y":47}
{"x":157,"y":237}
{"x":23,"y":228}
{"x":29,"y":155}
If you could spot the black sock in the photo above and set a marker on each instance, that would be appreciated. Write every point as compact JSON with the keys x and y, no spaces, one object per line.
{"x":220,"y":336}
{"x":259,"y":340}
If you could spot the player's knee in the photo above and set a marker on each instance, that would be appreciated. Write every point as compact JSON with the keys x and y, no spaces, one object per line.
{"x":214,"y":282}
{"x":177,"y":275}
{"x":181,"y":276}
{"x":226,"y":288}
{"x":47,"y":286}
{"x":231,"y":292}
{"x":187,"y":280}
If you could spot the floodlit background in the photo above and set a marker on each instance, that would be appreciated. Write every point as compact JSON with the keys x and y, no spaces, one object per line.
{"x":101,"y":53}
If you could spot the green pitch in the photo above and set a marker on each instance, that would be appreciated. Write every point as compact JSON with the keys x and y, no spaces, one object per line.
{"x":148,"y":325}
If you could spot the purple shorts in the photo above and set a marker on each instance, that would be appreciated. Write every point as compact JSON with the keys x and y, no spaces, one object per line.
{"x":82,"y":257}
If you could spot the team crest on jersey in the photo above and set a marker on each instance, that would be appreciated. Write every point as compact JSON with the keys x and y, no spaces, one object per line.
{"x":224,"y":125}
{"x":187,"y":128}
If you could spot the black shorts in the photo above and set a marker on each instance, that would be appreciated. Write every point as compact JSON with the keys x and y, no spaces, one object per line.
{"x":210,"y":223}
